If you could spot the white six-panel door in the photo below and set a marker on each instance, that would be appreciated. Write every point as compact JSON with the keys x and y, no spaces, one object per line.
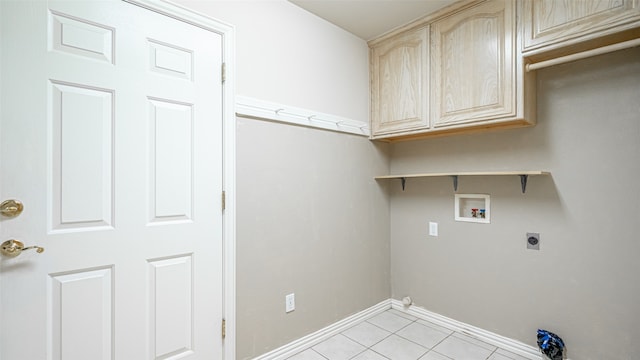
{"x":111,"y":136}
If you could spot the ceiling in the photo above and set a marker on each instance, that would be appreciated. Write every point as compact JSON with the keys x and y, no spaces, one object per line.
{"x":368,"y":19}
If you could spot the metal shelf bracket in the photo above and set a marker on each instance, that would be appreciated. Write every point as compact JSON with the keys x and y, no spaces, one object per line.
{"x":524,"y":176}
{"x":523,"y":182}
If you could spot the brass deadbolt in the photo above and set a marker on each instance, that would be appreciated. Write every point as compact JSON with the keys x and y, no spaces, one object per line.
{"x":11,"y":208}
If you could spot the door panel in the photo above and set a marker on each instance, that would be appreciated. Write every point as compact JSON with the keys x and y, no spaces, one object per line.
{"x":111,"y":135}
{"x":400,"y":79}
{"x":170,"y":306}
{"x":91,"y":292}
{"x":81,"y":37}
{"x":82,"y":166}
{"x":550,"y":22}
{"x":170,"y":175}
{"x":473,"y":65}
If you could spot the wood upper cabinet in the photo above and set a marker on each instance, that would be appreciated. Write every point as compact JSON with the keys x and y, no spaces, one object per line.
{"x":553,"y":24}
{"x":470,"y":66}
{"x":399,"y":83}
{"x":473,"y":64}
{"x":455,"y":71}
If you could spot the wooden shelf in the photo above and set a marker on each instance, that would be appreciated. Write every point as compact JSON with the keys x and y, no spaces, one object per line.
{"x":524,"y":175}
{"x":466,"y":173}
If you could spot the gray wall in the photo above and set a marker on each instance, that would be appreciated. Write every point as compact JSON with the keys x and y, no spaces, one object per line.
{"x":306,"y":200}
{"x":311,"y":220}
{"x":583,"y":283}
{"x":287,"y":55}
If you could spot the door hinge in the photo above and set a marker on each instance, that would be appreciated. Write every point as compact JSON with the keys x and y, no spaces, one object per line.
{"x":224,"y":328}
{"x":224,"y":200}
{"x":224,"y":72}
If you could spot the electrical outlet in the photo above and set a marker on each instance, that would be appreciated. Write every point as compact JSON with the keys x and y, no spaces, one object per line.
{"x":290,"y":303}
{"x":533,"y":241}
{"x":433,"y":228}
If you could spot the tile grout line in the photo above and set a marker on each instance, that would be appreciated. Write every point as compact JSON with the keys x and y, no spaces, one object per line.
{"x":440,"y":342}
{"x":314,"y":350}
{"x":444,"y":356}
{"x":428,"y":349}
{"x":490,"y":355}
{"x":374,"y":344}
{"x":389,"y":335}
{"x":469,"y":342}
{"x":373,"y":351}
{"x":413,"y":320}
{"x":360,"y":353}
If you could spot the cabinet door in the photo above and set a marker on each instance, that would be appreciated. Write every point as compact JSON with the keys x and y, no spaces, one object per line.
{"x":548,"y":22}
{"x":399,"y":83}
{"x":472,"y":65}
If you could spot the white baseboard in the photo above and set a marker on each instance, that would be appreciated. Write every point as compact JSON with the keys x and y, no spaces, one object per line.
{"x":288,"y":350}
{"x":516,"y":347}
{"x":321,"y":335}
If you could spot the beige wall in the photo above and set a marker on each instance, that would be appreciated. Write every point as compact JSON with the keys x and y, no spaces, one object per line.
{"x":584,"y":282}
{"x":311,"y":220}
{"x":287,"y":55}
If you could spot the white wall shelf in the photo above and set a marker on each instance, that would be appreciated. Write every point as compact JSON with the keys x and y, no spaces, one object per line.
{"x":255,"y":108}
{"x":524,"y":175}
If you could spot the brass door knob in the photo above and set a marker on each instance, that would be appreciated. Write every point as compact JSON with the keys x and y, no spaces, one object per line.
{"x":13,"y":248}
{"x":11,"y":208}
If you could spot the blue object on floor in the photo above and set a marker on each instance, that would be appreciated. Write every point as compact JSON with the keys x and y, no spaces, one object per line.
{"x":550,"y":344}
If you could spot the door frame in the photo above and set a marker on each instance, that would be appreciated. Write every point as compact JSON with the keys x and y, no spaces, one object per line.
{"x":227,"y":32}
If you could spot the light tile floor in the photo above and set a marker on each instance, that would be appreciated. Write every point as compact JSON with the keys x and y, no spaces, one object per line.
{"x":394,"y":335}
